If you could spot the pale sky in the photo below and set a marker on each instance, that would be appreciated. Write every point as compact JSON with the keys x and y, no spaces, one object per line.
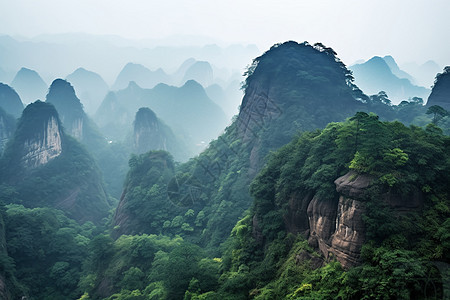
{"x":410,"y":30}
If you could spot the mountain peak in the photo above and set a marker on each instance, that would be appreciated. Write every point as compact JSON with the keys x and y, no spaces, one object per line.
{"x":39,"y":135}
{"x":29,"y":85}
{"x":143,"y":76}
{"x":440,"y":94}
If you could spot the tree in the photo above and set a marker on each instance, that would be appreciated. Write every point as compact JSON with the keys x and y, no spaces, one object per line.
{"x":438,"y":113}
{"x":381,"y":97}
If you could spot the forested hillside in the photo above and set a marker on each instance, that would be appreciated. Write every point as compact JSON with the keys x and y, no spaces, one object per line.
{"x":314,"y":191}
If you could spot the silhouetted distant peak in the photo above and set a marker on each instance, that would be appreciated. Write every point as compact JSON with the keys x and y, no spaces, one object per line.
{"x":440,"y":94}
{"x":90,"y":88}
{"x":145,"y":113}
{"x":192,"y":83}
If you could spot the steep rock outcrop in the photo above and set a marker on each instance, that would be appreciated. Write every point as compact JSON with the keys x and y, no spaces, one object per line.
{"x":29,"y":85}
{"x":38,"y":138}
{"x":44,"y":147}
{"x":62,"y":95}
{"x":90,"y":87}
{"x":440,"y":94}
{"x":49,"y":169}
{"x":337,"y":227}
{"x":10,"y":101}
{"x":148,"y":133}
{"x":277,"y":104}
{"x":322,"y":223}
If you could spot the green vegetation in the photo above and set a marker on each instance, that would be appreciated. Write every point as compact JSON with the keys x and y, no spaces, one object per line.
{"x":235,"y":221}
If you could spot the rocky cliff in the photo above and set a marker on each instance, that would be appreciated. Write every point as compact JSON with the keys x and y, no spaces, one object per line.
{"x":49,"y":169}
{"x":44,"y":146}
{"x":38,"y":137}
{"x":29,"y":85}
{"x":10,"y":101}
{"x":293,"y":87}
{"x":62,"y":95}
{"x":7,"y":124}
{"x":440,"y":94}
{"x":148,"y":133}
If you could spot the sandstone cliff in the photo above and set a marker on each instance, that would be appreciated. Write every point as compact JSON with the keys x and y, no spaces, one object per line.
{"x":336,"y":227}
{"x":49,"y":169}
{"x":62,"y":95}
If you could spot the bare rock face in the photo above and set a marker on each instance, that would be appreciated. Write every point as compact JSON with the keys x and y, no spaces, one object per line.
{"x":43,"y":148}
{"x":336,"y":226}
{"x":348,"y":237}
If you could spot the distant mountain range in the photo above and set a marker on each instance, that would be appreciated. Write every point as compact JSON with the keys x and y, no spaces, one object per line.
{"x":383,"y":74}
